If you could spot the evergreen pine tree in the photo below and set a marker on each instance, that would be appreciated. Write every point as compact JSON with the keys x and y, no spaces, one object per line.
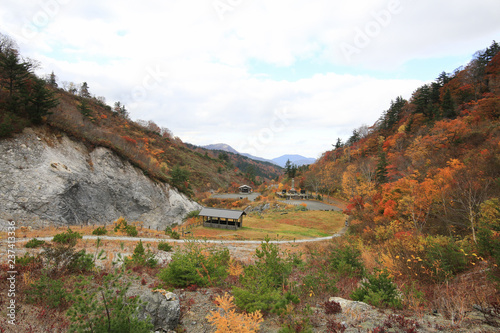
{"x":381,"y":171}
{"x":39,"y":100}
{"x":448,"y":106}
{"x":84,"y":90}
{"x":84,"y":108}
{"x":52,"y":81}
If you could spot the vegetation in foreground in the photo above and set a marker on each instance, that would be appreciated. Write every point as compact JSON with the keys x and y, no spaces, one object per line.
{"x":61,"y":287}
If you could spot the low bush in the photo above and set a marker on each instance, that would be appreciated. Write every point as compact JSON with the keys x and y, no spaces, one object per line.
{"x":173,"y":234}
{"x":34,"y":243}
{"x":264,"y":282}
{"x":63,"y":258}
{"x":141,"y":257}
{"x":193,"y":213}
{"x":345,"y":259}
{"x":379,"y":291}
{"x":445,"y":258}
{"x":164,"y":246}
{"x":47,"y":291}
{"x":196,"y":264}
{"x":106,"y":308}
{"x":82,"y":262}
{"x":68,"y":237}
{"x":301,"y":208}
{"x":27,"y":260}
{"x":100,"y":231}
{"x":121,"y":225}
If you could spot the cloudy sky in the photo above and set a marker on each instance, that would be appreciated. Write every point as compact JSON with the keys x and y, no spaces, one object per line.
{"x":268,"y":77}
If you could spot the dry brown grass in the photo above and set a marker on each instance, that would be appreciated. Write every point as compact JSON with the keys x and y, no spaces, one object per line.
{"x":287,"y":226}
{"x":50,"y":231}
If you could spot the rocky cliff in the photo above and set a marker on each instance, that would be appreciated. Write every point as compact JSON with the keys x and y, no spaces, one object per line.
{"x":48,"y":178}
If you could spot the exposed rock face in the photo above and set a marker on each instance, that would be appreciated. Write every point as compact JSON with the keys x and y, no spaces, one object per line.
{"x":46,"y":179}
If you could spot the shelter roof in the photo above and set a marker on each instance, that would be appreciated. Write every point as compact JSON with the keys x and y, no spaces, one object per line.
{"x":222,"y":213}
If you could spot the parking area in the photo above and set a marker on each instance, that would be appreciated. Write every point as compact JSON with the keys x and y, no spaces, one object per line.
{"x":313,"y":205}
{"x":249,"y":196}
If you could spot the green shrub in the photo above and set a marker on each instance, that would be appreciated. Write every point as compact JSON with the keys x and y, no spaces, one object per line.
{"x":445,"y":258}
{"x":193,"y":213}
{"x":100,"y":231}
{"x":258,"y":293}
{"x":378,"y":290}
{"x":164,"y":246}
{"x":81,"y":262}
{"x":141,"y":257}
{"x":300,"y":208}
{"x":34,"y":243}
{"x":171,"y":233}
{"x":47,"y":291}
{"x":264,"y":281}
{"x":69,"y":237}
{"x":346,"y":260}
{"x":318,"y":280}
{"x":106,"y":308}
{"x":122,"y":225}
{"x":27,"y":259}
{"x":132,"y":231}
{"x":63,"y":257}
{"x":196,"y":264}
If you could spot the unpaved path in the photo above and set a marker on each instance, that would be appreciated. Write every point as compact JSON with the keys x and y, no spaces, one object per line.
{"x":125,"y":238}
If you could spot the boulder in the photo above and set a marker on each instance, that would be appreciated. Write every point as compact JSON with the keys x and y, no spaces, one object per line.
{"x":162,"y":307}
{"x":351,"y":306}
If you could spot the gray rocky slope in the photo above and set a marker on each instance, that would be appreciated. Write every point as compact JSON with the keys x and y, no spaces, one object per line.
{"x":49,"y":179}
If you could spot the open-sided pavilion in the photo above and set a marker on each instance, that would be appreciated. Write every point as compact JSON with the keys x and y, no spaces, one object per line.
{"x":222,"y":218}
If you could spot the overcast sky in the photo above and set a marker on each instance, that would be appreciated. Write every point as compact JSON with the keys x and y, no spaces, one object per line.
{"x":268,"y":77}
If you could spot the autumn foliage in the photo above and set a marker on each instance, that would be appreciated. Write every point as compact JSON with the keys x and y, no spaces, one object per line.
{"x":423,"y":171}
{"x":227,"y":320}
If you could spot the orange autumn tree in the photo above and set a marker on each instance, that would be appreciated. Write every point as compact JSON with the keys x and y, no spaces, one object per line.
{"x":416,"y":200}
{"x":229,"y":321}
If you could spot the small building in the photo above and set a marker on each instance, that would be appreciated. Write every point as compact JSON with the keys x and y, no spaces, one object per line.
{"x":222,"y":218}
{"x":245,"y":189}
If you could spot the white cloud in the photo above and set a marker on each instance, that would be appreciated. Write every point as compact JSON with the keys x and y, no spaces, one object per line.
{"x":187,"y":66}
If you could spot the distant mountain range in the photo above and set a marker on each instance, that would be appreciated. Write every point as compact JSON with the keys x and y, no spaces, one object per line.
{"x":294,"y":159}
{"x":281,"y":161}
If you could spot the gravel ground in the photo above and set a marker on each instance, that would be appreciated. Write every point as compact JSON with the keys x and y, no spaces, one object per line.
{"x":250,"y":196}
{"x":313,"y":205}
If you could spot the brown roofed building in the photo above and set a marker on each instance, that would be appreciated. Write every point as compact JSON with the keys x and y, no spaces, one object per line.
{"x":222,"y":218}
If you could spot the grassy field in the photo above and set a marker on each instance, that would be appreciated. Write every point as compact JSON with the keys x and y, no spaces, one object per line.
{"x":287,"y":226}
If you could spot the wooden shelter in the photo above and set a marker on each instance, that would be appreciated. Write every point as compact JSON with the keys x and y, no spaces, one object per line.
{"x":245,"y":189}
{"x":222,"y":218}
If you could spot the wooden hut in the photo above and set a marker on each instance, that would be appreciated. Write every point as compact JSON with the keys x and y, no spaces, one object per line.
{"x":222,"y":218}
{"x":245,"y":189}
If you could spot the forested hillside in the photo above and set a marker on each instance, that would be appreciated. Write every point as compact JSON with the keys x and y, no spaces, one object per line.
{"x":27,"y":100}
{"x":429,"y":166}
